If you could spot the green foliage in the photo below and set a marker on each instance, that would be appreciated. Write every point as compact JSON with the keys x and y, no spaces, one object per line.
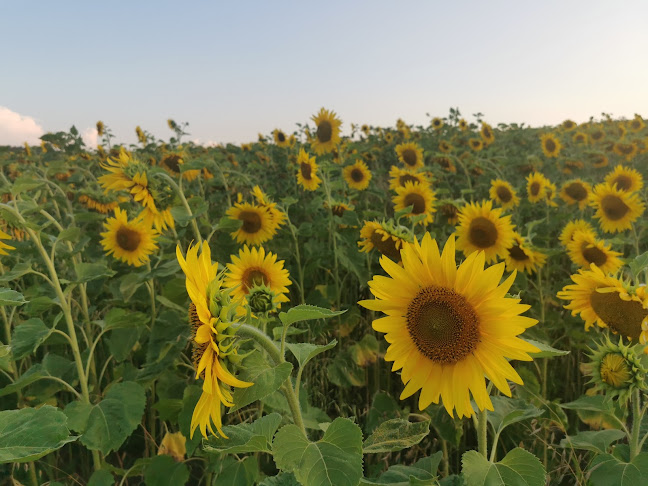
{"x":518,"y":468}
{"x":423,"y":472}
{"x":246,"y":438}
{"x":607,"y":469}
{"x":395,"y":435}
{"x":266,"y":379}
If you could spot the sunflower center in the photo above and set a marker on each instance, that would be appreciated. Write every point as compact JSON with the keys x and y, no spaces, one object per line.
{"x":173,"y":163}
{"x":357,"y":175}
{"x":622,"y":182}
{"x":535,"y":188}
{"x":254,"y":276}
{"x":614,"y":370}
{"x":614,"y":207}
{"x":251,"y":221}
{"x":387,"y":247}
{"x":442,"y":324}
{"x":306,"y":171}
{"x":504,"y":194}
{"x":197,"y":349}
{"x":281,"y":137}
{"x":407,"y":178}
{"x":416,"y":201}
{"x":128,"y":239}
{"x":576,"y":191}
{"x":518,"y":254}
{"x":324,"y":131}
{"x":595,"y":255}
{"x":338,"y":210}
{"x":622,"y":316}
{"x":482,"y":232}
{"x":409,"y":156}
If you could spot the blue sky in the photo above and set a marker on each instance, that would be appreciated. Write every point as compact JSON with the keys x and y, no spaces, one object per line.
{"x":233,"y":69}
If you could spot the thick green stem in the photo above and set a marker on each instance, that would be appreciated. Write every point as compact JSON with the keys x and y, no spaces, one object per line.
{"x":482,"y":435}
{"x":636,"y":425}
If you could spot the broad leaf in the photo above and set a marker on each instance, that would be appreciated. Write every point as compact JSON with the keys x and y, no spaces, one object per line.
{"x":240,"y":473}
{"x":304,"y":352}
{"x":266,"y":379}
{"x":164,"y":471}
{"x":28,"y":336}
{"x":518,"y":468}
{"x":92,"y":271}
{"x":117,"y":318}
{"x":593,"y":440}
{"x":423,"y":472}
{"x":546,"y":351}
{"x":508,"y":411}
{"x":306,"y":312}
{"x":607,"y":470}
{"x":395,"y":435}
{"x":11,"y":297}
{"x":245,"y":438}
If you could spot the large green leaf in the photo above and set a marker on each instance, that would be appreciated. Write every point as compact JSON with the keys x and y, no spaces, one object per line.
{"x":164,"y":471}
{"x":304,"y":352}
{"x":306,"y":312}
{"x":334,"y":460}
{"x":30,"y":433}
{"x":266,"y":379}
{"x":244,"y":472}
{"x":92,"y":271}
{"x":11,"y":297}
{"x":117,"y":318}
{"x":395,"y":435}
{"x":607,"y":470}
{"x":518,"y":468}
{"x":593,"y":440}
{"x":28,"y":336}
{"x":114,"y":418}
{"x":508,"y":411}
{"x":596,"y":410}
{"x":244,"y":438}
{"x":423,"y":472}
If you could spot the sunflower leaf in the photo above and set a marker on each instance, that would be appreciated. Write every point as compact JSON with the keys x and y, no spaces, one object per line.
{"x":11,"y":297}
{"x":518,"y":468}
{"x":306,"y":312}
{"x":607,"y":469}
{"x":245,"y":438}
{"x":424,"y":471}
{"x":28,"y":336}
{"x":593,"y":440}
{"x":92,"y":271}
{"x":508,"y":411}
{"x":163,"y":470}
{"x":546,"y":351}
{"x":395,"y":435}
{"x":266,"y":379}
{"x":304,"y":352}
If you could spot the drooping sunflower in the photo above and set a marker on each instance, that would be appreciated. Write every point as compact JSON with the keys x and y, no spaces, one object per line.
{"x":307,"y":175}
{"x":339,"y":208}
{"x":476,"y":144}
{"x":129,"y":241}
{"x":576,"y":191}
{"x":385,"y":237}
{"x":573,"y":227}
{"x":172,"y":162}
{"x":483,"y":228}
{"x":449,"y":327}
{"x":604,"y":300}
{"x":536,"y":187}
{"x":445,"y":163}
{"x":280,"y":138}
{"x":503,"y":194}
{"x":450,"y":211}
{"x":253,"y":267}
{"x":357,"y":176}
{"x":99,"y":202}
{"x":616,"y":210}
{"x":420,"y":197}
{"x":487,"y":134}
{"x":258,"y":225}
{"x":585,"y":250}
{"x":398,"y":177}
{"x":550,"y":145}
{"x":211,"y":315}
{"x":327,"y":134}
{"x":4,"y":246}
{"x":523,"y":258}
{"x":625,"y":179}
{"x":445,"y":147}
{"x":410,"y":154}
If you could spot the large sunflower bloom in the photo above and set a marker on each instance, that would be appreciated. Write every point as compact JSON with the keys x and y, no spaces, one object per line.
{"x":211,"y":344}
{"x":625,"y":179}
{"x":503,"y":194}
{"x":585,"y":249}
{"x":357,"y":175}
{"x":327,"y":133}
{"x":536,"y":187}
{"x":258,"y":224}
{"x":550,"y":145}
{"x":576,"y":191}
{"x":410,"y":154}
{"x":129,"y":241}
{"x":126,"y":174}
{"x":616,"y":210}
{"x":572,"y":228}
{"x":420,"y":197}
{"x":307,"y":175}
{"x":449,"y":327}
{"x":483,"y":228}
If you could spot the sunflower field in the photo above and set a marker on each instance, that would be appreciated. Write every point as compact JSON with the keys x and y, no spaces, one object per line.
{"x":450,"y":304}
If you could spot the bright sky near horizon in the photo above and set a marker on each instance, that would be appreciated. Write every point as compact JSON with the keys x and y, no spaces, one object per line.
{"x":234,"y":69}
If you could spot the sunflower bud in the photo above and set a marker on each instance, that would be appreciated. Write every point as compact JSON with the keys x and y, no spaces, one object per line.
{"x":261,"y":299}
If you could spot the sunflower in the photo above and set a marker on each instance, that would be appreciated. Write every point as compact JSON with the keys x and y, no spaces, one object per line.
{"x":420,"y":197}
{"x":503,"y":194}
{"x":211,"y":315}
{"x":568,"y":125}
{"x":536,"y":187}
{"x":129,"y":241}
{"x":576,"y":191}
{"x":172,"y":162}
{"x":100,"y":128}
{"x":487,"y":134}
{"x":597,"y":135}
{"x":100,"y":203}
{"x":580,"y":138}
{"x":626,"y":150}
{"x":357,"y":176}
{"x":446,"y":163}
{"x":636,"y":124}
{"x":280,"y":138}
{"x":573,"y":227}
{"x":463,"y":125}
{"x":277,"y":216}
{"x":522,"y":258}
{"x":339,"y":208}
{"x":437,"y":123}
{"x":410,"y":154}
{"x":3,"y":246}
{"x":585,"y":250}
{"x":258,"y":225}
{"x":398,"y":177}
{"x":327,"y":134}
{"x":616,"y":210}
{"x":449,"y":327}
{"x":483,"y":228}
{"x":445,"y":147}
{"x":605,"y":301}
{"x":385,"y":237}
{"x":625,"y":179}
{"x":476,"y":144}
{"x":307,"y":174}
{"x":550,"y":145}
{"x":253,"y":267}
{"x":451,"y":212}
{"x":598,"y":160}
{"x":129,"y":175}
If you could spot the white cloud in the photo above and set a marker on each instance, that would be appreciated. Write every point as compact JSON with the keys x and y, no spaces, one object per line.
{"x":210,"y":143}
{"x":16,"y":129}
{"x":90,"y":137}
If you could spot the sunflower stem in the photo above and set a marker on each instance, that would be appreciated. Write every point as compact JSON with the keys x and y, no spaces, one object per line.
{"x":636,"y":425}
{"x":482,"y":433}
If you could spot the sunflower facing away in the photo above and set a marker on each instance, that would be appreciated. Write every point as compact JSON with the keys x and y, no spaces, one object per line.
{"x":625,"y":179}
{"x":585,"y":249}
{"x":420,"y":197}
{"x":327,"y":133}
{"x":503,"y":194}
{"x":550,"y":145}
{"x":483,"y":228}
{"x":573,"y":227}
{"x":606,"y":301}
{"x":536,"y":187}
{"x":129,"y":241}
{"x":126,"y":174}
{"x":576,"y":191}
{"x":211,"y":315}
{"x":449,"y":327}
{"x":616,"y":210}
{"x":3,"y":246}
{"x":307,"y":174}
{"x":410,"y":154}
{"x":253,"y":267}
{"x":385,"y":237}
{"x":357,"y":176}
{"x":258,"y":225}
